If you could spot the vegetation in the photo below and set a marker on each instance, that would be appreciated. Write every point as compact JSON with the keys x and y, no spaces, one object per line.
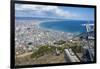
{"x":42,"y":51}
{"x":76,"y":47}
{"x":60,"y":42}
{"x":47,"y":49}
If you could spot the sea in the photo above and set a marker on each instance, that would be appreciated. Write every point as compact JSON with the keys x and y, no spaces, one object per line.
{"x":64,"y":25}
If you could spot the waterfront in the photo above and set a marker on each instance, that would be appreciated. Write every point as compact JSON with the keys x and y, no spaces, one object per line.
{"x":53,"y":34}
{"x":32,"y":38}
{"x":29,"y":35}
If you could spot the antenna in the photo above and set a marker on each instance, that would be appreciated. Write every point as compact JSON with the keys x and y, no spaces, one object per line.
{"x":88,"y":29}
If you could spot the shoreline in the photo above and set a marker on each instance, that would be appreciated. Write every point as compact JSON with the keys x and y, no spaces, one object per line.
{"x":30,"y":35}
{"x":54,"y":29}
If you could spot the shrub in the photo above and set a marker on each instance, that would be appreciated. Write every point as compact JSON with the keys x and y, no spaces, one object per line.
{"x":60,"y":42}
{"x":43,"y":50}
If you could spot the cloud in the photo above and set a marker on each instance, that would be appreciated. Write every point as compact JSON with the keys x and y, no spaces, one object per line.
{"x":34,"y":7}
{"x":42,"y":11}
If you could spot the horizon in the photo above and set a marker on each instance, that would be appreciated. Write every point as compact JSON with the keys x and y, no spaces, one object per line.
{"x":63,"y":12}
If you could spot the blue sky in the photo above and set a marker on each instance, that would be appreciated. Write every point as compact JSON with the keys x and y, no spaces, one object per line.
{"x":76,"y":13}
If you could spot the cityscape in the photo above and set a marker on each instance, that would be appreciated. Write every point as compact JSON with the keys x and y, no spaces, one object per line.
{"x":41,"y":35}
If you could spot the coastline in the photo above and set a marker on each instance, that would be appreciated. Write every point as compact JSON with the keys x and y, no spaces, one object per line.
{"x":74,"y":33}
{"x":31,"y":32}
{"x":35,"y":35}
{"x":29,"y":36}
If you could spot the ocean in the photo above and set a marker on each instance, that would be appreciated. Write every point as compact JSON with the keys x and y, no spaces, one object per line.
{"x":72,"y":26}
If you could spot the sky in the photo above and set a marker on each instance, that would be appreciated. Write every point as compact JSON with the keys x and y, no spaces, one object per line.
{"x":63,"y":12}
